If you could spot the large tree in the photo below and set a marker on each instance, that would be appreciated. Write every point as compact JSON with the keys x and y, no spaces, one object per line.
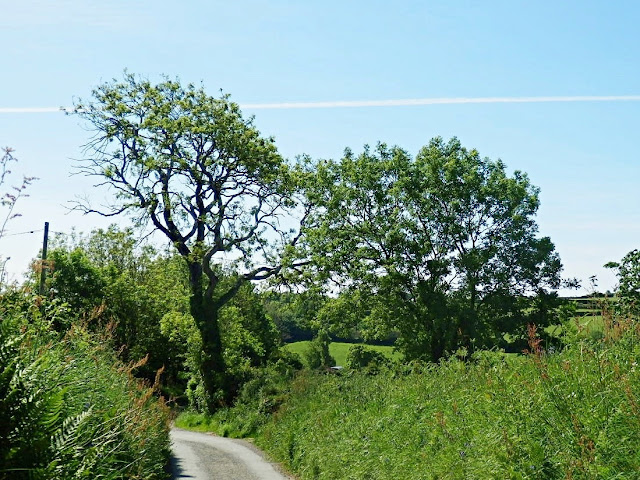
{"x":442,"y":248}
{"x":203,"y":176}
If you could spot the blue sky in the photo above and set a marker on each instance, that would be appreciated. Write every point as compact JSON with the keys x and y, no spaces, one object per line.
{"x":583,"y":155}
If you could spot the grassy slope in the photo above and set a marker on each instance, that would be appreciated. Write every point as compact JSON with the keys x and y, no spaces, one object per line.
{"x":572,"y":414}
{"x":569,"y":415}
{"x":339,"y":350}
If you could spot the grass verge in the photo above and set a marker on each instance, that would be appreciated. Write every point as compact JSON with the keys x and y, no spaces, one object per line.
{"x":69,"y":410}
{"x":572,"y":414}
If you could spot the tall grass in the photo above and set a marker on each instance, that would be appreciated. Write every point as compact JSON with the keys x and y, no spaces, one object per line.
{"x":568,"y":415}
{"x":68,"y":410}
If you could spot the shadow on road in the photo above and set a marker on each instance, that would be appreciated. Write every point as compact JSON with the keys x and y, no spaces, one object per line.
{"x":177,"y":472}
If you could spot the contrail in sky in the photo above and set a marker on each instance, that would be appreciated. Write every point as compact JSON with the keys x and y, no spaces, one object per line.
{"x":386,"y":103}
{"x":30,"y":109}
{"x":440,"y":101}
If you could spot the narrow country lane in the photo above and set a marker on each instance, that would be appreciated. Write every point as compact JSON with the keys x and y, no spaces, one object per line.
{"x":201,"y":456}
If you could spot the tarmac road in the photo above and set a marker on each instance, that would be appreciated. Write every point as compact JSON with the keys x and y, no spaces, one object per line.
{"x":201,"y":456}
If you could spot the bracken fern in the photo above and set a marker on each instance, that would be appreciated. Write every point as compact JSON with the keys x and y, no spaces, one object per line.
{"x":67,"y":407}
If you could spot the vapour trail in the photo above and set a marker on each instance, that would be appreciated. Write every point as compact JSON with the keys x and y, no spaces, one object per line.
{"x":386,"y":103}
{"x":441,"y":101}
{"x":30,"y":109}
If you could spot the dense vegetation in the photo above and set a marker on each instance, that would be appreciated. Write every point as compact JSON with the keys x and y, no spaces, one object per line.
{"x":69,"y":409}
{"x":570,"y":414}
{"x":142,"y":295}
{"x":430,"y":267}
{"x":440,"y":251}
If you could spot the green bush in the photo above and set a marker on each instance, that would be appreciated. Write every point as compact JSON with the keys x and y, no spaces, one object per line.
{"x":360,"y":357}
{"x":317,"y":355}
{"x":68,"y":410}
{"x":258,"y":400}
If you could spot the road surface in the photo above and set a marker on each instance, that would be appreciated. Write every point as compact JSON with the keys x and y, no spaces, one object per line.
{"x":201,"y":456}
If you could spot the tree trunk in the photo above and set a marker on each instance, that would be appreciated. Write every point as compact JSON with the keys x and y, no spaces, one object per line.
{"x":205,"y":312}
{"x":468,"y":317}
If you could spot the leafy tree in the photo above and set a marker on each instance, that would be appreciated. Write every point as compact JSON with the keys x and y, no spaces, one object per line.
{"x":76,"y":281}
{"x":442,"y":247}
{"x":628,"y":291}
{"x":199,"y":173}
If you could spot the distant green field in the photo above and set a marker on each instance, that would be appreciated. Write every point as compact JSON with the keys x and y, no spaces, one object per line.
{"x":339,"y":350}
{"x":589,"y":318}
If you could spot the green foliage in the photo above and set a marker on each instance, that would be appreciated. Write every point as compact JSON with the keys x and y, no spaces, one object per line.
{"x":198,"y":172}
{"x":109,"y":280}
{"x":259,"y":399}
{"x":180,"y":331}
{"x":442,"y":248}
{"x":69,"y":410}
{"x":572,"y":414}
{"x":249,"y":339}
{"x":317,"y":354}
{"x":362,"y":357}
{"x":76,"y":281}
{"x":249,"y":336}
{"x":628,"y":291}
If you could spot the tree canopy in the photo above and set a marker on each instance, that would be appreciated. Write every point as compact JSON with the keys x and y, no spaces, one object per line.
{"x":194,"y":169}
{"x":442,"y":247}
{"x":441,"y":250}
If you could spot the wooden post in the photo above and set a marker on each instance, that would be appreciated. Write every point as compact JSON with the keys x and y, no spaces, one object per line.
{"x":43,"y":273}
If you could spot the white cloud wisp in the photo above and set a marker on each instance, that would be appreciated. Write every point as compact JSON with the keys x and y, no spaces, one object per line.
{"x":441,"y":101}
{"x":387,"y":103}
{"x":31,"y":109}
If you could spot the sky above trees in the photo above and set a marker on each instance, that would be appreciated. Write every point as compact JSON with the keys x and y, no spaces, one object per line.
{"x":582,"y":155}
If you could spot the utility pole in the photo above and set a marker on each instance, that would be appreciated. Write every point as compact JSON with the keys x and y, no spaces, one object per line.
{"x":43,"y":273}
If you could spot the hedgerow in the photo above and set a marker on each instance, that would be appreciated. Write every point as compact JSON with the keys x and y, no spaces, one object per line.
{"x":69,"y":410}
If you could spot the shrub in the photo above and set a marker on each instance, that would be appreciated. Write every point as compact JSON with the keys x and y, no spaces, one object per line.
{"x":68,"y":410}
{"x":361,"y":357}
{"x":317,"y":356}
